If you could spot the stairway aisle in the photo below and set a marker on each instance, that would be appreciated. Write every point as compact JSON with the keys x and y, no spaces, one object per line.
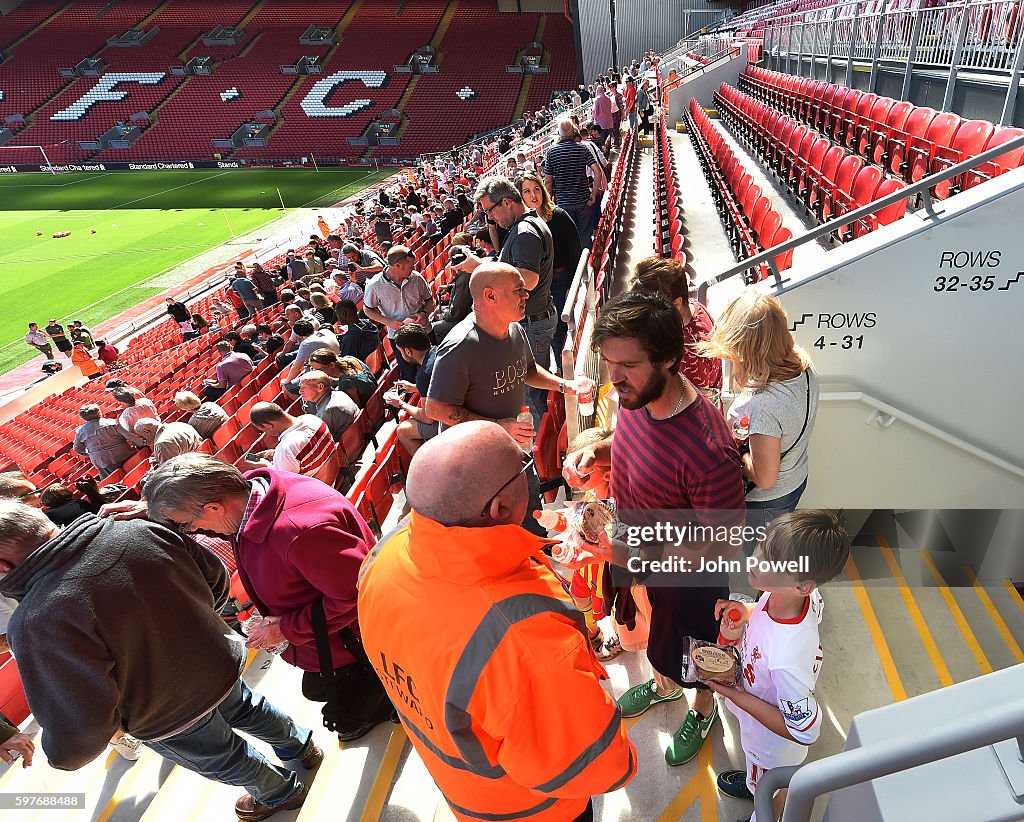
{"x":707,"y":247}
{"x":637,"y":238}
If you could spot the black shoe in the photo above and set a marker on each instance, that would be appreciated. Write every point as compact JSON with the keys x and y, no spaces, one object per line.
{"x":734,"y":784}
{"x":358,"y":733}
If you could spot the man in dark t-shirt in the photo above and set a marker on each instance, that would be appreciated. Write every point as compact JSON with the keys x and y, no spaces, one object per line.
{"x":485,"y":363}
{"x":530,"y":249}
{"x":672,"y":454}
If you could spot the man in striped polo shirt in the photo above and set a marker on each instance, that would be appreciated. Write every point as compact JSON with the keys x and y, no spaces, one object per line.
{"x":672,"y":456}
{"x":304,"y":443}
{"x":565,"y":176}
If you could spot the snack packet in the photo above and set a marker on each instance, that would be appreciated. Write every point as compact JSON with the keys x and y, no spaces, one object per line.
{"x":710,"y":661}
{"x":588,"y":519}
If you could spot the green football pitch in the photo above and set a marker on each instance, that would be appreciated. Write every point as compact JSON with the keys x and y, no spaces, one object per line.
{"x":126,"y":229}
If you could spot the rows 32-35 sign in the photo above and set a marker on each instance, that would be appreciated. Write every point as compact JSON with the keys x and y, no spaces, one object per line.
{"x":317,"y":103}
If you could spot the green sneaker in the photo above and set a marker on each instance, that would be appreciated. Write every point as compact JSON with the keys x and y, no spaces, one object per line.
{"x":641,"y":697}
{"x":690,"y":736}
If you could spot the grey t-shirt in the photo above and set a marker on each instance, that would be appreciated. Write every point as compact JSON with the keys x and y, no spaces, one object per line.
{"x":314,"y":342}
{"x":779,"y":411}
{"x":529,"y":245}
{"x":485,"y":375}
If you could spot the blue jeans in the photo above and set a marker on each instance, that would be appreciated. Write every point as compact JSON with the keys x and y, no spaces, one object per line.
{"x":582,"y":217}
{"x":540,"y":333}
{"x":760,"y":514}
{"x":212,"y":749}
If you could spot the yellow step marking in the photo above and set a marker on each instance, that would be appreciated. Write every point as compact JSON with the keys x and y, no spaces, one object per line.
{"x":701,"y":785}
{"x":385,"y":776}
{"x":899,"y":693}
{"x":915,"y":614}
{"x":994,"y":614}
{"x":958,"y":615}
{"x":1014,"y":594}
{"x":126,"y":787}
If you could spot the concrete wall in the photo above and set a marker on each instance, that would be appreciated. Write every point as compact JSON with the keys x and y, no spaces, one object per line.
{"x":640,"y":25}
{"x":7,"y":6}
{"x":703,"y":85}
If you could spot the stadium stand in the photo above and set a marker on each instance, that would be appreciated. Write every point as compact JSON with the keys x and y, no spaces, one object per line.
{"x":309,"y":111}
{"x":831,"y":149}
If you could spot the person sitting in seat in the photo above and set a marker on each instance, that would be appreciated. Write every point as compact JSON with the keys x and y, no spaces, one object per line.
{"x":137,"y":407}
{"x":335,"y":408}
{"x":348,"y":374}
{"x":206,"y":417}
{"x":231,"y":370}
{"x":361,"y":336}
{"x":304,"y":443}
{"x":103,"y":441}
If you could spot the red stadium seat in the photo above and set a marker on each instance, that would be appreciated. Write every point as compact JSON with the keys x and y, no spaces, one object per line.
{"x":1003,"y":163}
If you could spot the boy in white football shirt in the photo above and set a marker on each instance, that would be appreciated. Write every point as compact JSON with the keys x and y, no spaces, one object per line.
{"x":780,"y":652}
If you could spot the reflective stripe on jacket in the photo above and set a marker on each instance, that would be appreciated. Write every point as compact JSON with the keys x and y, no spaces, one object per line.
{"x":491,"y":670}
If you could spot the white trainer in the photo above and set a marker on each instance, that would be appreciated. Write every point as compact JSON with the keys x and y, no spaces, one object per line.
{"x":128,"y":747}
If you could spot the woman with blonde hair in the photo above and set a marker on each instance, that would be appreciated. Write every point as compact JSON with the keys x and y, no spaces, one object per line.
{"x":566,"y":243}
{"x":777,"y":396}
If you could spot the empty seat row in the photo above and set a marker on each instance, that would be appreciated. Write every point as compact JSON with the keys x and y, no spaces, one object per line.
{"x":751,"y":223}
{"x":822,"y":175}
{"x":668,"y":202}
{"x":906,"y":141}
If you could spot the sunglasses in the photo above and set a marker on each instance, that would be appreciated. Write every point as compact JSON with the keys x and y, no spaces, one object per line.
{"x":527,"y":465}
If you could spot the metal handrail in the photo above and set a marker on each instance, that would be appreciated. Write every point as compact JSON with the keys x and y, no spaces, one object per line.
{"x":675,"y":82}
{"x":806,"y":783}
{"x":579,"y":279}
{"x":920,"y":187}
{"x":924,"y":427}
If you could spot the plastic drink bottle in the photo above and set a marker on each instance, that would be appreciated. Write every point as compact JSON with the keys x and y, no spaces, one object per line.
{"x":526,"y":417}
{"x":551,"y":520}
{"x":741,"y":430}
{"x":250,"y":625}
{"x":563,"y":552}
{"x":731,"y":627}
{"x":585,"y":402}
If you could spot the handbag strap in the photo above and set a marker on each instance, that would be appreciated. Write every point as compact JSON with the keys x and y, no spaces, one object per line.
{"x":807,"y":417}
{"x":323,"y":646}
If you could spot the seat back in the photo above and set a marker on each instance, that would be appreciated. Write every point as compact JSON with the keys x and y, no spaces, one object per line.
{"x":895,"y":120}
{"x":769,"y":225}
{"x":889,"y":214}
{"x":916,"y":125}
{"x":760,"y":208}
{"x":830,"y":162}
{"x":865,"y":185}
{"x":1002,"y":163}
{"x":940,"y":133}
{"x":749,"y":198}
{"x":847,"y":172}
{"x":876,"y":118}
{"x":972,"y":137}
{"x":784,"y":260}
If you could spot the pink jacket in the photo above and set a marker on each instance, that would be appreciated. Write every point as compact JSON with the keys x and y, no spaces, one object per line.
{"x":303,"y":541}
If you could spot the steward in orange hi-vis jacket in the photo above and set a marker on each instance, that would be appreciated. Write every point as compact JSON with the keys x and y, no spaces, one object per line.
{"x":482,"y":653}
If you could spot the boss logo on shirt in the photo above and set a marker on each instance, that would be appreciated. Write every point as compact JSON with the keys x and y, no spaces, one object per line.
{"x":510,"y":377}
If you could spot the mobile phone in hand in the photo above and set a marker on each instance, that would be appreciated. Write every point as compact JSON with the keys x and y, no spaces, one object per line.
{"x":253,"y":458}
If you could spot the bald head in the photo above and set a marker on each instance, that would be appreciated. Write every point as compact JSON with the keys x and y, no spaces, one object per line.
{"x":474,"y":458}
{"x":491,"y":275}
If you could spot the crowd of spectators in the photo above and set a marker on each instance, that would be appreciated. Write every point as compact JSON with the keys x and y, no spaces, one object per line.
{"x":472,"y":355}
